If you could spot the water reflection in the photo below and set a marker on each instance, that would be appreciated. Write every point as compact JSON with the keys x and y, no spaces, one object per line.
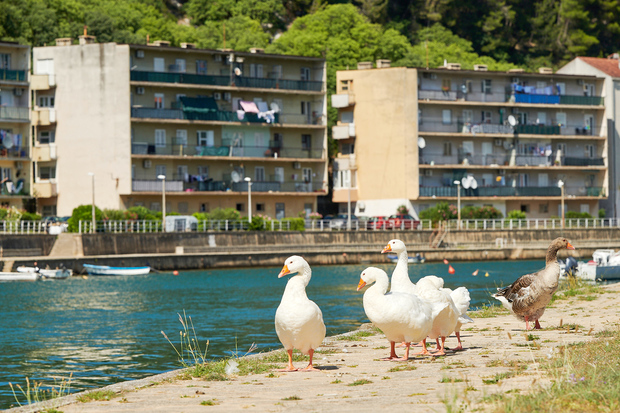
{"x":107,"y":329}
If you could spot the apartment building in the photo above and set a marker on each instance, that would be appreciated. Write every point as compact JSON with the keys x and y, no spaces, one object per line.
{"x":505,"y":139}
{"x":15,"y":176}
{"x":211,"y":122}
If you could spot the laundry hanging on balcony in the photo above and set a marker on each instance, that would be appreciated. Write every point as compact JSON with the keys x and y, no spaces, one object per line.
{"x":265,"y":113}
{"x":203,"y":108}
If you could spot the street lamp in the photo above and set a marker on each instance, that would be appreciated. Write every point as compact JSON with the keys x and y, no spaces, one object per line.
{"x":349,"y":202}
{"x":163,"y":201}
{"x":249,"y":181}
{"x":561,"y":185}
{"x":92,"y":175}
{"x":458,"y":201}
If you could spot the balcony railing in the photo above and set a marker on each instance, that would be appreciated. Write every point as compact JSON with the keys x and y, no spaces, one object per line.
{"x":509,"y":96}
{"x":237,"y":81}
{"x":177,"y":185}
{"x":458,"y":126}
{"x":13,"y":75}
{"x":450,"y":191}
{"x":502,"y":161}
{"x":284,"y":151}
{"x":14,"y":112}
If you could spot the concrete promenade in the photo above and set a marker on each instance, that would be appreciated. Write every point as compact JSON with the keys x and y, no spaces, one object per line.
{"x":353,"y":379}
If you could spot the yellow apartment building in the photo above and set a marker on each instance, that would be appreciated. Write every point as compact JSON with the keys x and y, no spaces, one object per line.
{"x":15,"y":176}
{"x":212,"y":122}
{"x":512,"y":140}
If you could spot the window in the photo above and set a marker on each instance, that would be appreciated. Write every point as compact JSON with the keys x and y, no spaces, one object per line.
{"x":541,"y":84}
{"x":447,"y":149}
{"x":468,"y":116}
{"x":160,"y":170}
{"x":590,"y":151}
{"x":342,"y":179}
{"x":522,"y":118}
{"x":203,"y":171}
{"x":160,"y":138}
{"x":47,"y":172}
{"x":179,"y":65}
{"x":181,"y":138}
{"x":346,"y":117}
{"x":43,"y":67}
{"x":155,"y":206}
{"x":256,"y":70}
{"x":584,"y":208}
{"x":561,"y":147}
{"x":347,"y":148}
{"x":260,"y":207}
{"x":205,"y":138}
{"x":201,"y":67}
{"x":446,"y":84}
{"x":542,"y":118}
{"x":204,"y":207}
{"x":182,"y":172}
{"x":306,"y":174}
{"x":306,"y":110}
{"x":560,"y":118}
{"x":346,"y":85}
{"x":561,"y":88}
{"x":280,"y":210}
{"x":486,"y":86}
{"x":46,"y":101}
{"x":159,"y":100}
{"x":278,"y":172}
{"x":543,"y":208}
{"x":446,"y":116}
{"x":543,"y":180}
{"x":306,"y":142}
{"x":305,"y":73}
{"x":159,"y":64}
{"x":49,"y":210}
{"x":47,"y":136}
{"x":487,"y":117}
{"x":259,"y":174}
{"x":5,"y":61}
{"x":276,"y":72}
{"x":240,"y":207}
{"x":183,"y":207}
{"x":525,"y":208}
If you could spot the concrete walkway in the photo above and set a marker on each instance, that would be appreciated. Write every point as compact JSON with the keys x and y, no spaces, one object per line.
{"x":353,"y":379}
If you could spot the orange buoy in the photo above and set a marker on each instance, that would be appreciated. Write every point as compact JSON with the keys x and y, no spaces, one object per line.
{"x":445,"y":261}
{"x":451,"y":270}
{"x":474,"y":273}
{"x":175,"y":272}
{"x":486,"y":274}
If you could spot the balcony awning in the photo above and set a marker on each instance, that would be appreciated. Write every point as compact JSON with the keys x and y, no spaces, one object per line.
{"x":203,"y":104}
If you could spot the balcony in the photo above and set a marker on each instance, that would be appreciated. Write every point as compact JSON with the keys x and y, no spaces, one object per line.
{"x":458,"y":126}
{"x":176,"y":185}
{"x":510,"y":96}
{"x":345,"y":131}
{"x":279,"y":150}
{"x":45,"y":189}
{"x":44,"y":117}
{"x":503,"y":161}
{"x":236,"y":81}
{"x":491,"y":191}
{"x":44,"y":153}
{"x":42,"y":82}
{"x":13,"y":75}
{"x":14,"y":113}
{"x":343,"y":100}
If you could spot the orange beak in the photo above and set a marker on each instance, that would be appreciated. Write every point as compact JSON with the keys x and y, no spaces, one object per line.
{"x":361,"y":285}
{"x":569,"y":247}
{"x":386,"y":249}
{"x":284,"y":272}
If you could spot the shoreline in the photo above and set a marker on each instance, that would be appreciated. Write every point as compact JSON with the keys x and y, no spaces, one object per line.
{"x":422,"y":381}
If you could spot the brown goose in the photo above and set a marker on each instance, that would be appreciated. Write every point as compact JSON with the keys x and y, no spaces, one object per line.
{"x":528,"y":297}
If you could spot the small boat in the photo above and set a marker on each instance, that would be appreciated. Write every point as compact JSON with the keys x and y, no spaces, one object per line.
{"x":106,"y":270}
{"x":418,"y":259}
{"x":58,"y":274}
{"x":19,"y":276}
{"x":604,"y":266}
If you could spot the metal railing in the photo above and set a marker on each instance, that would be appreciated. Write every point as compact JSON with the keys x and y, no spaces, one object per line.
{"x":180,"y":185}
{"x":490,"y":191}
{"x":281,"y":150}
{"x":14,"y":112}
{"x":23,"y":227}
{"x":434,"y":124}
{"x":13,"y":75}
{"x":549,"y":223}
{"x":148,"y":226}
{"x":226,"y":80}
{"x":504,"y":161}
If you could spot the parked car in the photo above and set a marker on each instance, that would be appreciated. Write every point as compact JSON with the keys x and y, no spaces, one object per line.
{"x":55,"y":225}
{"x":402,"y":221}
{"x":376,"y":223}
{"x":340,"y":221}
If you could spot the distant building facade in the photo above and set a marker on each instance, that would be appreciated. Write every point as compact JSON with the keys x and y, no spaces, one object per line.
{"x":204,"y":119}
{"x":406,"y":135}
{"x":15,"y":175}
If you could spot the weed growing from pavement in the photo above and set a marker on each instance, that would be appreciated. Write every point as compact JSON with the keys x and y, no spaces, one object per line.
{"x":292,"y":398}
{"x":357,"y":336}
{"x":211,"y":402}
{"x":99,"y":395}
{"x":360,"y":382}
{"x":36,"y":392}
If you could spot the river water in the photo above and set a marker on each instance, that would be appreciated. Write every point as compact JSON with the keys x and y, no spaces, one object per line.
{"x":105,"y":330}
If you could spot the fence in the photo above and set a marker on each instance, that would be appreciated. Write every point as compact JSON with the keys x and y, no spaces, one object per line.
{"x":23,"y":227}
{"x":143,"y":226}
{"x":555,"y":223}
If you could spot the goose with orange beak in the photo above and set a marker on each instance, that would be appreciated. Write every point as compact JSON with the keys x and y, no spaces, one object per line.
{"x":299,"y":321}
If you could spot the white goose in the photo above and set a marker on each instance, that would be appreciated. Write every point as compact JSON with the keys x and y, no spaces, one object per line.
{"x":299,"y":321}
{"x":401,"y":282}
{"x":402,"y":317}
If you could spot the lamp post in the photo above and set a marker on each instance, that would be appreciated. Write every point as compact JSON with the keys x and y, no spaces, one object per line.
{"x":93,"y":223}
{"x":349,"y":202}
{"x":561,"y":185}
{"x":163,"y":201}
{"x":249,"y":181}
{"x":458,"y":201}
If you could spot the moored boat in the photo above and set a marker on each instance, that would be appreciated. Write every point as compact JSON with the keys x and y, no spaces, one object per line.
{"x":19,"y":276}
{"x":57,"y":274}
{"x":604,"y":266}
{"x":417,"y":259}
{"x":107,"y":270}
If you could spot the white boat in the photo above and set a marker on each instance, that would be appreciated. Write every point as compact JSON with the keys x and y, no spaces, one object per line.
{"x":418,"y":259}
{"x":58,"y":274}
{"x":106,"y":270}
{"x":19,"y":276}
{"x":604,"y":266}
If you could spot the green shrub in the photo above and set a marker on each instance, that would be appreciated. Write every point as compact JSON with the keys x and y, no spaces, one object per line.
{"x":297,"y":224}
{"x":119,"y":215}
{"x":516,"y":214}
{"x":28,"y":216}
{"x":403,"y":210}
{"x":441,"y":212}
{"x":575,"y":214}
{"x":224,"y":214}
{"x":3,"y":213}
{"x":485,"y":212}
{"x":601,"y":213}
{"x":83,"y":213}
{"x":257,"y":224}
{"x":144,"y":213}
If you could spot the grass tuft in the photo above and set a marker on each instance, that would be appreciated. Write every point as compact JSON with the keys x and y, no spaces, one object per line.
{"x":357,"y":336}
{"x":99,"y":395}
{"x":360,"y":382}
